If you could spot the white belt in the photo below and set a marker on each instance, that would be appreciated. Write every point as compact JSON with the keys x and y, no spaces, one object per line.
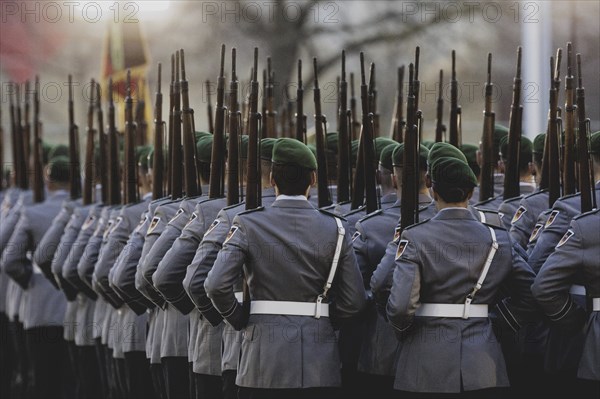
{"x":286,"y":308}
{"x":239,"y":296}
{"x":596,"y":304}
{"x":577,"y":290}
{"x":451,"y":310}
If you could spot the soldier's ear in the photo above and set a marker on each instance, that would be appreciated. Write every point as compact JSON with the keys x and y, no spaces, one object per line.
{"x":313,"y":178}
{"x":271,"y":179}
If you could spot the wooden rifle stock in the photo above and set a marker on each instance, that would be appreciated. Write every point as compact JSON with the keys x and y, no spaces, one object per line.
{"x":410,"y":170}
{"x":453,"y":132}
{"x":130,"y":169}
{"x":344,"y":172}
{"x":89,"y":167}
{"x":158,"y":160}
{"x":217,"y":167}
{"x":176,"y":157}
{"x":367,"y":141}
{"x":170,"y":133}
{"x":486,"y":185}
{"x":355,"y":125}
{"x":300,"y":127}
{"x":270,"y":112}
{"x":192,"y":188}
{"x":323,"y":186}
{"x":440,"y":129}
{"x":253,"y":185}
{"x":74,"y":174}
{"x":586,"y":176}
{"x":104,"y":167}
{"x":373,"y":101}
{"x":211,"y":125}
{"x":140,"y":115}
{"x":233,"y":148}
{"x":553,"y":134}
{"x":113,"y":150}
{"x":398,"y":123}
{"x":26,"y":130}
{"x":511,"y":169}
{"x":14,"y":138}
{"x":21,"y":164}
{"x":568,"y":168}
{"x":38,"y":167}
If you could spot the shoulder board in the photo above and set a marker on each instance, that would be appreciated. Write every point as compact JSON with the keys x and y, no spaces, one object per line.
{"x":260,"y":208}
{"x":234,"y":205}
{"x":168,"y":197}
{"x":370,"y":215}
{"x":417,"y":224}
{"x":332,"y":206}
{"x":564,"y":197}
{"x":333,"y":215}
{"x":494,"y":226}
{"x":592,"y":212}
{"x":513,"y":199}
{"x":486,"y":201}
{"x":355,"y":211}
{"x":543,"y":191}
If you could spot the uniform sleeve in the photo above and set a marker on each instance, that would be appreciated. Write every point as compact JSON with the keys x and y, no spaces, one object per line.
{"x":360,"y":245}
{"x":14,"y":258}
{"x":141,"y":283}
{"x":109,"y":253}
{"x":381,"y":280}
{"x":556,"y":225}
{"x":520,"y":229}
{"x":551,"y":286}
{"x":202,"y":263}
{"x":225,"y":272}
{"x":404,"y":294}
{"x":44,"y":253}
{"x":85,"y":266}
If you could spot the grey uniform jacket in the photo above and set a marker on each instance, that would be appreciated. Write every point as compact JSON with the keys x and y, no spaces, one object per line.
{"x":525,"y":216}
{"x":440,"y":354}
{"x":43,"y":304}
{"x":89,"y":256}
{"x":286,"y":251}
{"x":355,"y":215}
{"x":557,"y":224}
{"x":577,"y":253}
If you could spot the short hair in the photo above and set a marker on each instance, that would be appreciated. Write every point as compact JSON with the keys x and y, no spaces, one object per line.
{"x":204,"y":170}
{"x":291,"y":179}
{"x":452,"y":194}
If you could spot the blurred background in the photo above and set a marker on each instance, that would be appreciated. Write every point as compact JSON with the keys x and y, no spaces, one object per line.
{"x":93,"y":39}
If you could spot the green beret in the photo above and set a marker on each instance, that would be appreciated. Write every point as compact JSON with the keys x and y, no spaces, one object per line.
{"x":266,"y":148}
{"x":58,"y":169}
{"x":46,"y":149}
{"x":59,"y":150}
{"x":385,"y":158}
{"x":332,"y":142}
{"x":595,"y":143}
{"x":452,"y":172}
{"x":499,"y":132}
{"x":538,"y":143}
{"x":197,"y":135}
{"x":398,"y":156}
{"x":470,"y":152}
{"x":428,"y":143}
{"x":313,"y":148}
{"x":440,"y":149}
{"x":380,"y":144}
{"x":287,"y":151}
{"x":141,"y":155}
{"x":525,"y":152}
{"x":204,"y":148}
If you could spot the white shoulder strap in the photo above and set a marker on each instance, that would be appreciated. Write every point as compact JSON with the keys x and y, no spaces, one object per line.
{"x":484,"y":272}
{"x":334,"y":265}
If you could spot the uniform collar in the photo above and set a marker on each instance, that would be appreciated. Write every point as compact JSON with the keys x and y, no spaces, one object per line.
{"x":291,"y":197}
{"x":454,"y":213}
{"x":389,"y":198}
{"x":287,"y":202}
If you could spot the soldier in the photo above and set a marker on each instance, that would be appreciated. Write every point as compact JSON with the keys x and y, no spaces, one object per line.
{"x":575,"y":261}
{"x":499,"y":132}
{"x":531,"y":206}
{"x":43,"y":306}
{"x":300,"y":306}
{"x":450,"y":346}
{"x":373,"y":233}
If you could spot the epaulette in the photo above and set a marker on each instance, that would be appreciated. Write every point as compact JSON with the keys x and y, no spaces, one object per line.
{"x":247,"y":211}
{"x":206,"y":199}
{"x":486,"y":201}
{"x":564,"y":197}
{"x":542,"y":191}
{"x":326,"y":212}
{"x":592,"y":212}
{"x":494,"y":226}
{"x":166,"y":198}
{"x":513,"y":199}
{"x":370,"y":215}
{"x":417,"y":224}
{"x":355,"y":211}
{"x":332,"y":206}
{"x":234,"y":205}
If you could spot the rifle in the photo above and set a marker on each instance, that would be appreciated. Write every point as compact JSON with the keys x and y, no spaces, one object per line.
{"x":511,"y":171}
{"x":399,"y":123}
{"x":104,"y":166}
{"x":440,"y":129}
{"x":140,"y":115}
{"x":454,"y":108}
{"x":88,"y":179}
{"x":14,"y":138}
{"x":26,"y":130}
{"x":289,"y":114}
{"x":300,"y":127}
{"x":323,"y":189}
{"x":38,"y":167}
{"x":130,"y":169}
{"x":271,"y":114}
{"x":417,"y":87}
{"x":169,"y":158}
{"x":373,"y":101}
{"x":21,"y":163}
{"x":217,"y":167}
{"x":486,"y":189}
{"x":553,"y":134}
{"x":344,"y":172}
{"x":73,"y":148}
{"x":586,"y":177}
{"x":113,"y":150}
{"x":253,"y":185}
{"x":192,"y":188}
{"x":410,"y":169}
{"x":233,"y":178}
{"x":355,"y":125}
{"x":158,"y":160}
{"x":568,"y":169}
{"x":211,"y":126}
{"x":176,"y":149}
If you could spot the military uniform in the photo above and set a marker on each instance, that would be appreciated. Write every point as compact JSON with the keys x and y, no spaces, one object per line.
{"x":575,"y":261}
{"x":524,"y":219}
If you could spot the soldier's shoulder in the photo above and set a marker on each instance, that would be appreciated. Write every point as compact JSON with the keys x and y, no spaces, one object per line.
{"x":354,"y":212}
{"x":494,"y":226}
{"x":513,"y":200}
{"x":535,"y":194}
{"x":371,"y":215}
{"x":592,"y":213}
{"x":251,"y":211}
{"x":331,"y":214}
{"x":487,"y":201}
{"x":230,"y":207}
{"x":417,"y":226}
